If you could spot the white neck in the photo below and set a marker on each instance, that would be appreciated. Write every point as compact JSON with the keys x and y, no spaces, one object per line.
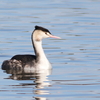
{"x":39,"y":50}
{"x":37,"y":44}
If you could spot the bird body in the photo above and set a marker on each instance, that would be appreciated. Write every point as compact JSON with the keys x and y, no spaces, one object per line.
{"x":37,"y":61}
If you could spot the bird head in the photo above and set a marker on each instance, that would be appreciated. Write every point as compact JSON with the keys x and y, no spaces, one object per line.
{"x":40,"y":33}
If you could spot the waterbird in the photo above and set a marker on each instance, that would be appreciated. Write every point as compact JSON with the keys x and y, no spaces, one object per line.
{"x":37,"y":61}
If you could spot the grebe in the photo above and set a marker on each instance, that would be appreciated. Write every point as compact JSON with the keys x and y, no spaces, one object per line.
{"x":37,"y":61}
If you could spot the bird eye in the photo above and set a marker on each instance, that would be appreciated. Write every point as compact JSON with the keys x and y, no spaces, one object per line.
{"x":46,"y":33}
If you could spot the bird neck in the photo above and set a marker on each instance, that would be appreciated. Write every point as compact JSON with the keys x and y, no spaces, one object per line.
{"x":38,"y":49}
{"x":39,"y":52}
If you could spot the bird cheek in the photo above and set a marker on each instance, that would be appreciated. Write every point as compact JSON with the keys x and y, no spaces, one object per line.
{"x":37,"y":39}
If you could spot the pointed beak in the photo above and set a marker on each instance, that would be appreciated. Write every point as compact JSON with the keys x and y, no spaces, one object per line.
{"x":52,"y":36}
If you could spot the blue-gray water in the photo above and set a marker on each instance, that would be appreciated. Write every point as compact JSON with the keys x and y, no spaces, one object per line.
{"x":75,"y":58}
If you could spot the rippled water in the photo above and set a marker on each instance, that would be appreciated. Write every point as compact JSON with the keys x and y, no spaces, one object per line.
{"x":75,"y":58}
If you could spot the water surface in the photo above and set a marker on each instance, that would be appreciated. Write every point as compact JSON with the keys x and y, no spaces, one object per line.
{"x":75,"y":58}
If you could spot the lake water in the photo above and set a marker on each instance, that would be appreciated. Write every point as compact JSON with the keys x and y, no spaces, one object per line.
{"x":75,"y":58}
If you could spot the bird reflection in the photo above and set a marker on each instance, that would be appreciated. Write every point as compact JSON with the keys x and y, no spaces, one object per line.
{"x":39,"y":77}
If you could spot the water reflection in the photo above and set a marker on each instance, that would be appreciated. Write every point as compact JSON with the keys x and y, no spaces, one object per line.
{"x":39,"y":77}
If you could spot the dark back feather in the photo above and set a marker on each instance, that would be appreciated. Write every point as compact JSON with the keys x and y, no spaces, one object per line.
{"x":24,"y":58}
